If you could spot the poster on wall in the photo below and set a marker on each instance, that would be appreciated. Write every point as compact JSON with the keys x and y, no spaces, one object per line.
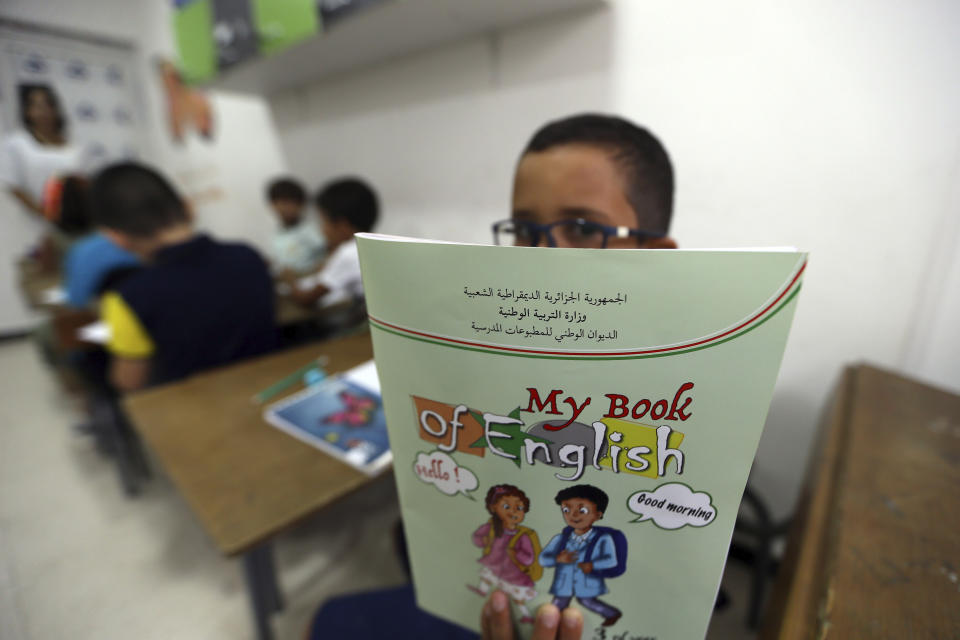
{"x":282,"y":24}
{"x":95,"y":83}
{"x":188,"y":109}
{"x":233,"y":32}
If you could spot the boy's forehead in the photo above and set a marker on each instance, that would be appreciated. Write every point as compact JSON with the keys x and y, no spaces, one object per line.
{"x":569,"y":502}
{"x":551,"y":184}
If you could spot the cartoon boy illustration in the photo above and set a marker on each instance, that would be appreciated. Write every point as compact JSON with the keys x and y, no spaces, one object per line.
{"x":584,"y":555}
{"x":510,"y":550}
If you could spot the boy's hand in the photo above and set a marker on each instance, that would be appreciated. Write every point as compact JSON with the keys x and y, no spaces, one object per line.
{"x":550,"y":624}
{"x":586,"y":567}
{"x":566,"y":557}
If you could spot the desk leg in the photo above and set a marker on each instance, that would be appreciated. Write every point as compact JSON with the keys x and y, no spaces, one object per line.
{"x":262,"y":586}
{"x":269,"y":575}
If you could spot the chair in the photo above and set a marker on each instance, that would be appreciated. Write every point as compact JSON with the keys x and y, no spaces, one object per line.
{"x":762,"y":531}
{"x":386,"y":613}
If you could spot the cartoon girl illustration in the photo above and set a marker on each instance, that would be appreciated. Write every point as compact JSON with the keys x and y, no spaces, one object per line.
{"x":510,"y":550}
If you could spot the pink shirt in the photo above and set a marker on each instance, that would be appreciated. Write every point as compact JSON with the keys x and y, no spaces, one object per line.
{"x":498,"y":560}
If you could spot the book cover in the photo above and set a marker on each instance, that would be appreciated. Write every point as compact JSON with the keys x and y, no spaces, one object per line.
{"x":573,"y":425}
{"x":342,"y":416}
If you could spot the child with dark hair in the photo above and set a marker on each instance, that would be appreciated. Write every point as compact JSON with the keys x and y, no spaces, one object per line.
{"x":347,"y":206}
{"x":510,"y":550}
{"x":298,"y":246}
{"x":591,"y":181}
{"x":198,"y":303}
{"x":582,"y":553}
{"x":92,"y":262}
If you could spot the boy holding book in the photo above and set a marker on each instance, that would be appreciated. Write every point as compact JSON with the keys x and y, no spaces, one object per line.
{"x":586,"y":181}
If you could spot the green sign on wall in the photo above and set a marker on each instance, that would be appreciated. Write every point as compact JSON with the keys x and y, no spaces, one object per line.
{"x":281,"y":23}
{"x":193,"y":32}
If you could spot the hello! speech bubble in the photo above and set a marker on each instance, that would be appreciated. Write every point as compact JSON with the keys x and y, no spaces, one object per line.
{"x":442,"y":471}
{"x":672,"y":506}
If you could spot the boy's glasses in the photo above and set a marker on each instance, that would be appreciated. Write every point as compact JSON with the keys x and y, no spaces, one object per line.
{"x":576,"y":232}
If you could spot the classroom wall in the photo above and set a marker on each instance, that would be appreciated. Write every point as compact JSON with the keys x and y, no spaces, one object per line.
{"x":438,"y":132}
{"x":226,"y":177}
{"x":834,"y":127}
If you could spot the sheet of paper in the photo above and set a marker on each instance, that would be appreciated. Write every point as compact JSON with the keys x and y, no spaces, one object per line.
{"x":94,"y":333}
{"x":53,"y":295}
{"x":364,"y":375}
{"x":575,"y":425}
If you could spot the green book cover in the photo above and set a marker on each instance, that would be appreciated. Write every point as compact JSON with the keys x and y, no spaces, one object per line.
{"x":575,"y":425}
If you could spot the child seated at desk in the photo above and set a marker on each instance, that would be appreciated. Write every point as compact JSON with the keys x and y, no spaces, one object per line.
{"x":198,"y":303}
{"x":346,"y":206}
{"x":93,"y":262}
{"x":298,"y":246}
{"x":93,"y":265}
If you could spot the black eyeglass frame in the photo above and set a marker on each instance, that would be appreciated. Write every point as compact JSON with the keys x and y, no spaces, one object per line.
{"x":547,"y":229}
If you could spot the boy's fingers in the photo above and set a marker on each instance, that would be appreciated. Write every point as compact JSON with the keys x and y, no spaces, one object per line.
{"x":571,"y":624}
{"x":485,"y":621}
{"x":496,"y":624}
{"x":545,"y":626}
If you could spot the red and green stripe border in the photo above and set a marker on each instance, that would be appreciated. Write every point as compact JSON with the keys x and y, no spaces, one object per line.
{"x":768,"y":310}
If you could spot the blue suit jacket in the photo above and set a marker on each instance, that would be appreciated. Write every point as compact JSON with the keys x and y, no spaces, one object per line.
{"x":569,"y":579}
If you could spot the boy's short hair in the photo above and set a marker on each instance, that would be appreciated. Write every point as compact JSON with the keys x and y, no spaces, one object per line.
{"x":136,"y":200}
{"x":587,"y":492}
{"x":643,"y":160}
{"x":349,"y":199}
{"x":286,"y":188}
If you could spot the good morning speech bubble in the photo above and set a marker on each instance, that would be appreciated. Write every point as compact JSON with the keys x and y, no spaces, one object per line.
{"x":442,"y":471}
{"x":672,"y":506}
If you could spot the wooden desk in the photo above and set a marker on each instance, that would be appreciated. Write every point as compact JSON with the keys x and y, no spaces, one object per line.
{"x":34,"y":281}
{"x":244,"y":480}
{"x":290,"y":313}
{"x":875,"y":549}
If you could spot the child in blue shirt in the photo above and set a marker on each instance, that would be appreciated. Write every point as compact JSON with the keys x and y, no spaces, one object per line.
{"x":89,"y":267}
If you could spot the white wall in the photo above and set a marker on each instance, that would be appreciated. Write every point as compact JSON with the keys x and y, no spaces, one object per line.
{"x":830,"y":126}
{"x":932,"y":352}
{"x":438,"y":133}
{"x":244,"y":156}
{"x":834,"y":127}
